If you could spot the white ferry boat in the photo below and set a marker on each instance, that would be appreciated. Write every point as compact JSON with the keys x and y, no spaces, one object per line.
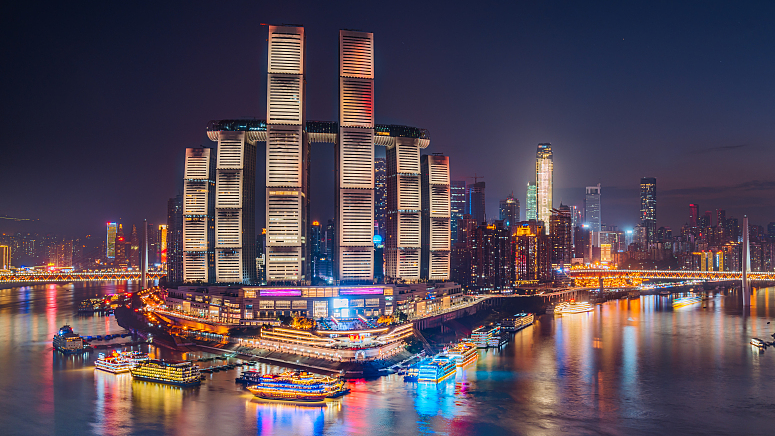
{"x":487,"y":336}
{"x":517,"y":322}
{"x":438,"y":369}
{"x":67,"y":341}
{"x":119,"y":362}
{"x":463,"y":353}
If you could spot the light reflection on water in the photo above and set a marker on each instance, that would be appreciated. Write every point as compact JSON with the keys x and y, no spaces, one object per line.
{"x":629,"y":367}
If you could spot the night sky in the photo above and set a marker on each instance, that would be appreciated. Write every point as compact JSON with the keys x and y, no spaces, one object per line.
{"x":99,"y":101}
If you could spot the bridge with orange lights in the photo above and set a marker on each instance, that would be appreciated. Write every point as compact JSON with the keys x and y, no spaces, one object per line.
{"x":100,"y":276}
{"x":668,"y":275}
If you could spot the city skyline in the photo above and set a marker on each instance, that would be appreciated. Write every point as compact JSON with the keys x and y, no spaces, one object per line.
{"x":671,"y":144}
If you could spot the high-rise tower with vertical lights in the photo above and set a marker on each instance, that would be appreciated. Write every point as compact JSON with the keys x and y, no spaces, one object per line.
{"x":544,"y":183}
{"x":648,"y":207}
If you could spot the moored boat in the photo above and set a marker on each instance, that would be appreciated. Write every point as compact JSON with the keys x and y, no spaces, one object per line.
{"x":119,"y":362}
{"x":756,"y":342}
{"x":298,"y":386}
{"x":67,"y":341}
{"x":437,"y":370}
{"x":176,"y":373}
{"x":517,"y":322}
{"x":686,"y":301}
{"x":574,"y":307}
{"x":463,"y":353}
{"x":487,"y":336}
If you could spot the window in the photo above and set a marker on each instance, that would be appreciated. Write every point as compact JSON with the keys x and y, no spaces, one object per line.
{"x":299,"y":304}
{"x":266,"y":304}
{"x":356,"y":303}
{"x":282,"y":304}
{"x":372,"y":302}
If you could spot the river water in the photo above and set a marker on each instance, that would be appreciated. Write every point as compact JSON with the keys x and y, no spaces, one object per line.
{"x":629,"y":367}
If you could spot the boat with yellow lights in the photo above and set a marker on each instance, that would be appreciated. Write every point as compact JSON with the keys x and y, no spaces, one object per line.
{"x":119,"y":362}
{"x":463,"y":353}
{"x":178,"y":373}
{"x":573,"y":307}
{"x":686,"y":301}
{"x":437,"y":370}
{"x":298,"y":386}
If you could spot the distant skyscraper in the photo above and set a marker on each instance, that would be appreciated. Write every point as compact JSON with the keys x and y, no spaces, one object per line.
{"x":458,"y":205}
{"x":380,"y":195}
{"x":110,"y":242}
{"x":475,"y":202}
{"x":5,"y":257}
{"x":694,"y":211}
{"x":199,"y":215}
{"x":531,"y":206}
{"x":315,"y":236}
{"x":509,"y":210}
{"x":162,"y":241}
{"x":544,"y":183}
{"x":592,"y":212}
{"x":121,"y":260}
{"x":355,"y":161}
{"x":560,"y":235}
{"x":648,"y":207}
{"x":436,"y":243}
{"x":134,"y":248}
{"x":175,"y":239}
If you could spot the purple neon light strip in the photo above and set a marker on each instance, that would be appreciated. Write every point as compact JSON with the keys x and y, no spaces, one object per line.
{"x":281,"y":293}
{"x":363,"y":291}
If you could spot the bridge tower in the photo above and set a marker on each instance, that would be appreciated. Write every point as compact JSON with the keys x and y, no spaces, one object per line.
{"x":746,"y":265}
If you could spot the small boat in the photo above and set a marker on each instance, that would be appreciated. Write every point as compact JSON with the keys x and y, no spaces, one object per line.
{"x":756,"y":342}
{"x":574,"y":307}
{"x":298,"y":386}
{"x":686,"y":301}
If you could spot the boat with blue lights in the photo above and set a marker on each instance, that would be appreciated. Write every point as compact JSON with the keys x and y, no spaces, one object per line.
{"x":67,"y":341}
{"x":298,"y":386}
{"x":686,"y":301}
{"x":440,"y":368}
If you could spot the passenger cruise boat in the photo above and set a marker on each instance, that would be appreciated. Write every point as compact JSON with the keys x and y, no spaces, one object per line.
{"x":119,"y":362}
{"x":437,"y":369}
{"x":176,"y":373}
{"x":574,"y":307}
{"x":756,"y":342}
{"x":487,"y":336}
{"x":67,"y":341}
{"x":298,"y":386}
{"x":517,"y":322}
{"x":463,"y":353}
{"x":252,"y":377}
{"x":686,"y":301}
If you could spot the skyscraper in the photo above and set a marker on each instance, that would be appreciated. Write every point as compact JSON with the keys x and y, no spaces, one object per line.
{"x":287,"y":155}
{"x":648,"y":207}
{"x":134,"y":248}
{"x":436,"y":242}
{"x":560,"y":236}
{"x":475,"y":202}
{"x":198,"y":215}
{"x":121,"y":260}
{"x":509,"y":211}
{"x":110,"y":242}
{"x":694,"y":211}
{"x":531,"y":211}
{"x":5,"y":257}
{"x":355,"y":160}
{"x":380,"y":195}
{"x":162,"y":241}
{"x":544,"y":183}
{"x":592,"y":212}
{"x":175,"y":239}
{"x":457,"y":204}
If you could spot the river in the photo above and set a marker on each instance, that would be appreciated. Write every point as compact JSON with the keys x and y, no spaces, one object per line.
{"x":629,"y":367}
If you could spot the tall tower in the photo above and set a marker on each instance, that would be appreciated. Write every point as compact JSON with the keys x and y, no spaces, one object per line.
{"x":544,"y":183}
{"x":436,"y":207}
{"x":531,"y":206}
{"x":287,"y":158}
{"x":175,"y":239}
{"x":458,"y":205}
{"x":746,"y":264}
{"x":694,"y":212}
{"x":592,"y":212}
{"x":110,"y":243}
{"x":508,"y":211}
{"x":355,"y":159}
{"x":198,"y":215}
{"x":648,"y":207}
{"x":476,"y":204}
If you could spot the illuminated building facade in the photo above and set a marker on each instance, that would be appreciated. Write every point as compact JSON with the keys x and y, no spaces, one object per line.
{"x":110,"y":242}
{"x":457,"y":204}
{"x":175,"y":239}
{"x":492,"y":258}
{"x":121,"y":259}
{"x":560,"y":235}
{"x":436,"y":244}
{"x":532,"y":252}
{"x":287,"y":158}
{"x":198,"y":215}
{"x":380,"y":195}
{"x":5,"y":257}
{"x":544,"y":183}
{"x":508,"y":210}
{"x":531,"y":202}
{"x":162,"y":241}
{"x":592,"y":212}
{"x":648,"y":207}
{"x":355,"y":159}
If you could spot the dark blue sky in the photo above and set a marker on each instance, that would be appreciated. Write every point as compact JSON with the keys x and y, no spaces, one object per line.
{"x":100,"y":100}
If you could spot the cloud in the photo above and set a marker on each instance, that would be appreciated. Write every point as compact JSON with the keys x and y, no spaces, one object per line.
{"x":749,"y":186}
{"x":720,"y":148}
